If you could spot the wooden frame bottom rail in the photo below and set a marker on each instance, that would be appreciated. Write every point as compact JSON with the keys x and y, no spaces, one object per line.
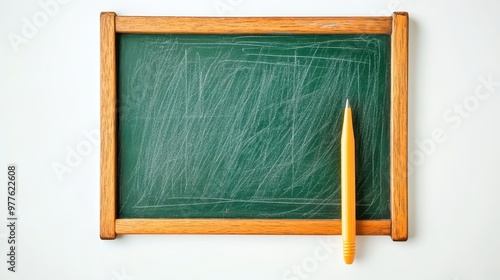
{"x":247,"y":226}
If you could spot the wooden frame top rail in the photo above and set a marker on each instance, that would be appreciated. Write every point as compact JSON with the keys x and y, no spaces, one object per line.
{"x":254,"y":25}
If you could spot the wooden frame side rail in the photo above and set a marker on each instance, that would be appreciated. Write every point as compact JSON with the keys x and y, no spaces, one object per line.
{"x":396,"y":26}
{"x":108,"y":126}
{"x":399,"y":127}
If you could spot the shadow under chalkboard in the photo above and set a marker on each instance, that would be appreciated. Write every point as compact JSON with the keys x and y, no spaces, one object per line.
{"x":243,"y":126}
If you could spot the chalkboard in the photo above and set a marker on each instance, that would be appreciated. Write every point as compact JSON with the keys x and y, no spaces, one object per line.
{"x":248,"y":126}
{"x":232,"y":125}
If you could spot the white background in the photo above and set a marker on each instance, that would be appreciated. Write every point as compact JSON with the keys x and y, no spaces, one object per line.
{"x":49,"y":99}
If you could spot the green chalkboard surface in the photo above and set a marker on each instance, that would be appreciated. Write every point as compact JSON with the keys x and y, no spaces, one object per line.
{"x":244,"y":126}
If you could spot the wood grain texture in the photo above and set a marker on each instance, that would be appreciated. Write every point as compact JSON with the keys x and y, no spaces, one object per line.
{"x":253,"y":25}
{"x":399,"y":124}
{"x":244,"y":226}
{"x":108,"y":126}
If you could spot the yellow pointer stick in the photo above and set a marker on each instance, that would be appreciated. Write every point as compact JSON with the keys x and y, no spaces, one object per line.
{"x":348,"y":187}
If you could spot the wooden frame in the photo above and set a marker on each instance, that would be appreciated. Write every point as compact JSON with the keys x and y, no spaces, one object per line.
{"x":396,"y":26}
